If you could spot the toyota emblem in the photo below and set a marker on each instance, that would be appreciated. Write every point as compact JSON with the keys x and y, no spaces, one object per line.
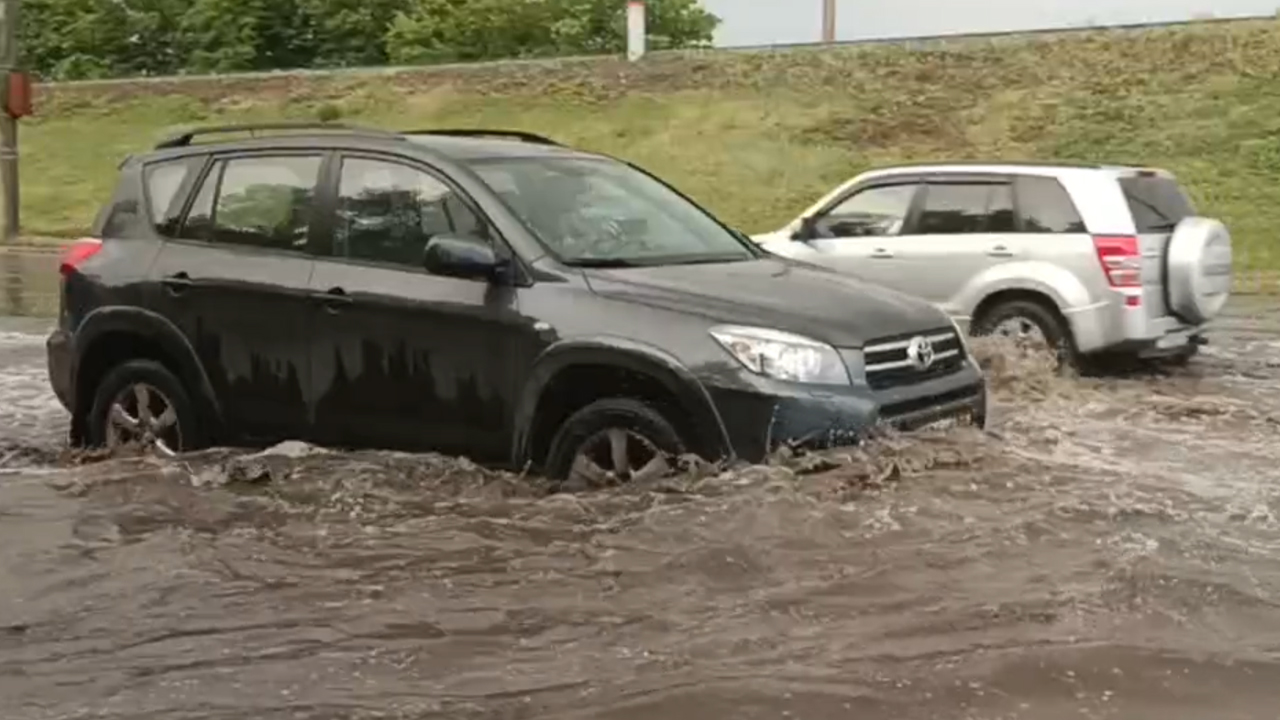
{"x":920,"y":353}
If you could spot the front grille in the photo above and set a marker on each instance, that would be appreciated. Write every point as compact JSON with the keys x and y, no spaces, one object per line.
{"x":898,"y":410}
{"x":889,"y":362}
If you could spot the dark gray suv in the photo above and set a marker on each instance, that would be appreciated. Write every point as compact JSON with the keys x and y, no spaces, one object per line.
{"x":481,"y":293}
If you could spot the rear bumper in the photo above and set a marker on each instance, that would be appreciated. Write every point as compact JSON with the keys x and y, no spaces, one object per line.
{"x":59,"y":352}
{"x":1113,"y":327}
{"x":1171,"y":343}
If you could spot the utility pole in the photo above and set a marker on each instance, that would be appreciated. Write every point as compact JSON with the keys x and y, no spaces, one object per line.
{"x":828,"y":21}
{"x":9,"y":53}
{"x":637,"y":34}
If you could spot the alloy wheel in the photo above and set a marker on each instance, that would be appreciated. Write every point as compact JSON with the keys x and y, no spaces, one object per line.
{"x":1021,"y":328}
{"x":617,"y":455}
{"x":142,"y":415}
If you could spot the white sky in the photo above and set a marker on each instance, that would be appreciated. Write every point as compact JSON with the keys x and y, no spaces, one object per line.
{"x":759,"y":22}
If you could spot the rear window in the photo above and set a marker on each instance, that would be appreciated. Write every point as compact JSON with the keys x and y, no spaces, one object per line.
{"x":1157,"y":203}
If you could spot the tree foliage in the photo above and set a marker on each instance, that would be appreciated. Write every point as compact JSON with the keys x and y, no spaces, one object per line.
{"x":75,"y":39}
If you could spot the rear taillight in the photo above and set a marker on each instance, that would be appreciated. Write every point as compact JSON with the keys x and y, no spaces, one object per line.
{"x":1121,"y":259}
{"x":76,"y":253}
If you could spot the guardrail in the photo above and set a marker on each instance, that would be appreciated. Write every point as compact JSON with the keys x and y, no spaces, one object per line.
{"x":29,"y":278}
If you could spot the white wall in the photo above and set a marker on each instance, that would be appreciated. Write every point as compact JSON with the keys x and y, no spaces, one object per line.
{"x":764,"y":22}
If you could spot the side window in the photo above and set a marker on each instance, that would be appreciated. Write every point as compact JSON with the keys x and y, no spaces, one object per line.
{"x":265,"y":202}
{"x":164,"y":179}
{"x":875,"y":211}
{"x":123,"y":219}
{"x":964,"y":208}
{"x":387,"y":212}
{"x":1046,"y":208}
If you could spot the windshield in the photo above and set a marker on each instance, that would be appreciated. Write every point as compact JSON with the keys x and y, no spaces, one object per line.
{"x":600,"y":212}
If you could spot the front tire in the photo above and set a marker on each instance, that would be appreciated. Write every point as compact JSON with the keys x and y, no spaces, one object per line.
{"x":141,"y":403}
{"x":612,"y":441}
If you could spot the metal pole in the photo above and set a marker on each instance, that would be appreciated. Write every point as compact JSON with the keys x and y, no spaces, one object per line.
{"x":828,"y":21}
{"x":9,"y":19}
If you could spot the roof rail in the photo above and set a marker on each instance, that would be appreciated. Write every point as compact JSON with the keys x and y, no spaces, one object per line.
{"x":184,"y":139}
{"x":520,"y":135}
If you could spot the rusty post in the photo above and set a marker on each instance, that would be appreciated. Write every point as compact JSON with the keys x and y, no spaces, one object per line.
{"x":9,"y":196}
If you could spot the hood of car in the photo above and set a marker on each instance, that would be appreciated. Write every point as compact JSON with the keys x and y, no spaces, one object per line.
{"x":769,"y":238}
{"x":775,"y":293}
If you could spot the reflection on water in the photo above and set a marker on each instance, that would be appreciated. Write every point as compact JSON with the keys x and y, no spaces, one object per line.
{"x":1109,"y":550}
{"x":28,"y":282}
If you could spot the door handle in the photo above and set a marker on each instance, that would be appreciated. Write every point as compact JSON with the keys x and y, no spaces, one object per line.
{"x":335,"y":298}
{"x":177,"y":283}
{"x":881,"y":254}
{"x":1000,"y":251}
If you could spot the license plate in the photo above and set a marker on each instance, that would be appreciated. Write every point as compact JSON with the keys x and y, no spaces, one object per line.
{"x":943,"y":424}
{"x":1174,"y":340}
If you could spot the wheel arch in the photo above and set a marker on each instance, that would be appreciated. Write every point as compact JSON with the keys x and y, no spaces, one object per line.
{"x":108,"y":336}
{"x":1007,"y":295}
{"x":647,"y":369}
{"x":1055,"y":288}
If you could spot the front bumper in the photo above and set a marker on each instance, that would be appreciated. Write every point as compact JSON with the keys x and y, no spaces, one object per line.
{"x":759,"y":420}
{"x":58,"y":357}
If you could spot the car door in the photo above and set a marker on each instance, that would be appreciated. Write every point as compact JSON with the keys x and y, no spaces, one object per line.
{"x":402,"y":358}
{"x":235,"y":280}
{"x":858,"y":233}
{"x":960,"y":226}
{"x":1051,"y":231}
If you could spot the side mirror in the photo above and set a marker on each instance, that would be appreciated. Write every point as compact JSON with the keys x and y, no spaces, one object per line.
{"x":461,"y":257}
{"x":808,"y":229}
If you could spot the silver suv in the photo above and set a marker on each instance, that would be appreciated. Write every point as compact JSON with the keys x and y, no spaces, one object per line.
{"x":1089,"y":259}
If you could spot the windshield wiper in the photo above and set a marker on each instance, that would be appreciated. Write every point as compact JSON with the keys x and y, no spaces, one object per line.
{"x":603,"y":263}
{"x":655,"y":261}
{"x":708,"y":259}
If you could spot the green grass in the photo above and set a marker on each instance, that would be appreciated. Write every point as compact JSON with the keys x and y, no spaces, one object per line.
{"x":758,"y":136}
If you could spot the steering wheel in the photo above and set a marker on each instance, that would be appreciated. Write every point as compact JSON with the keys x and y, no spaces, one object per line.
{"x":607,"y":237}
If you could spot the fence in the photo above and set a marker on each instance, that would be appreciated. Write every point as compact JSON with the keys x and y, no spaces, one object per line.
{"x":31,"y":281}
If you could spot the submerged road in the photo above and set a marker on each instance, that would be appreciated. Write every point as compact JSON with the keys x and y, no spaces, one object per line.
{"x":1110,"y":550}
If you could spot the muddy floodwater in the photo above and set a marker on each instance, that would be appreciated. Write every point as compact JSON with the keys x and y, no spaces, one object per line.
{"x":1110,"y":549}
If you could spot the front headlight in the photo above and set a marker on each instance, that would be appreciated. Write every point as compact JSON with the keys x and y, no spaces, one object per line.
{"x":962,"y":335}
{"x":783,"y":355}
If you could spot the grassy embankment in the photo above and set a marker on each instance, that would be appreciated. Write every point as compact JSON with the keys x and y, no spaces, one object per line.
{"x":758,"y":135}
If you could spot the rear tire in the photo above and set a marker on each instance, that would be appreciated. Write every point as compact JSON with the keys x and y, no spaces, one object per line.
{"x":1183,"y":357}
{"x":1028,"y":319}
{"x":585,"y":453}
{"x":168,"y":425}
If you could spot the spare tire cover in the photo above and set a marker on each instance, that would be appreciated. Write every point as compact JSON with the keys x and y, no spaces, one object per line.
{"x":1198,"y":268}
